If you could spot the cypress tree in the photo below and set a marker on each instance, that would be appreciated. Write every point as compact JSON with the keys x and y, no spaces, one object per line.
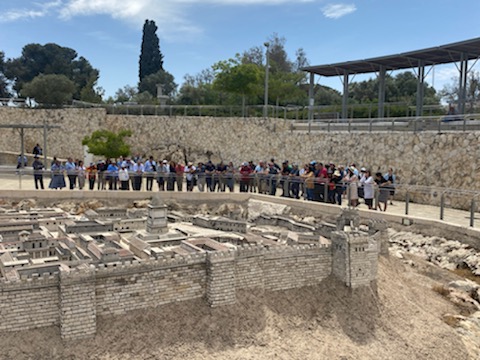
{"x":151,"y":59}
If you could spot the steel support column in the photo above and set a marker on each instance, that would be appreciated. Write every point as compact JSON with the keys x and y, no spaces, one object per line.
{"x":420,"y":87}
{"x":345,"y":95}
{"x":381,"y":92}
{"x":462,"y":89}
{"x":311,"y":100}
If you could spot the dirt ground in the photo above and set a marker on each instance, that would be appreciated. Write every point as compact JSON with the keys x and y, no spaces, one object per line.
{"x":399,"y":318}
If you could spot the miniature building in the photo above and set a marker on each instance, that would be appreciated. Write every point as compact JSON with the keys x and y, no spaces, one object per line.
{"x":157,"y":216}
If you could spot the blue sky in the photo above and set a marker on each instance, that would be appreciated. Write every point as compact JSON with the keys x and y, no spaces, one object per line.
{"x":194,"y":34}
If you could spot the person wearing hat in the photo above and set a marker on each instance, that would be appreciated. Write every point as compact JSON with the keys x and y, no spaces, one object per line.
{"x":38,"y":167}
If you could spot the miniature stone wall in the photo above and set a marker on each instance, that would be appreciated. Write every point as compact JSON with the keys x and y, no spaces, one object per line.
{"x":75,"y":298}
{"x":423,"y":158}
{"x":221,"y":278}
{"x":77,"y":304}
{"x":29,"y":303}
{"x":139,"y":285}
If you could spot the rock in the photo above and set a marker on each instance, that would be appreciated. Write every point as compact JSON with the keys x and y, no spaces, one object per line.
{"x":466,"y":285}
{"x":26,"y":204}
{"x":141,"y":203}
{"x":257,"y":208}
{"x":309,"y":220}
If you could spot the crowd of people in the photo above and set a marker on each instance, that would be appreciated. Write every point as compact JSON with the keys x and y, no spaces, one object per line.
{"x":313,"y":181}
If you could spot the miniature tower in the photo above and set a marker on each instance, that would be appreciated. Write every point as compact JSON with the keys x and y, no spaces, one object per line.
{"x":354,"y":253}
{"x":352,"y":258}
{"x":157,"y":216}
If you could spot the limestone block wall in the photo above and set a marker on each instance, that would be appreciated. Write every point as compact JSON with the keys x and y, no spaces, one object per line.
{"x":288,"y":268}
{"x":249,"y":268}
{"x":221,"y":279}
{"x":139,"y":285}
{"x":77,"y":304}
{"x":29,"y":304}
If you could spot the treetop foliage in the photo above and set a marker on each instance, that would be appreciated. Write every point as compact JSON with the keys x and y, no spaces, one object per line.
{"x":151,"y":59}
{"x":50,"y":59}
{"x":107,"y":143}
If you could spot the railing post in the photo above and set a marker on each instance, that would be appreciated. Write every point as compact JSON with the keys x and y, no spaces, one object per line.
{"x":370,"y":125}
{"x":349,"y":196}
{"x":325,"y":192}
{"x":439,"y":125}
{"x":407,"y":200}
{"x":442,"y":205}
{"x":472,"y":212}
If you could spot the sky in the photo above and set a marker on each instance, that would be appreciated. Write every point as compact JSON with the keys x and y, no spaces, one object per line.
{"x":195,"y":34}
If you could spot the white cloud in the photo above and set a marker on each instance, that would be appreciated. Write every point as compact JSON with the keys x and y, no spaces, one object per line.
{"x":169,"y":15}
{"x":335,"y":11}
{"x":19,"y":14}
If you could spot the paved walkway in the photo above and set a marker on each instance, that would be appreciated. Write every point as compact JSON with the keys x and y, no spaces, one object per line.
{"x":10,"y":181}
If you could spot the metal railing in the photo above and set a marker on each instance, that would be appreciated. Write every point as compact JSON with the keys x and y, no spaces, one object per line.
{"x":467,"y":122}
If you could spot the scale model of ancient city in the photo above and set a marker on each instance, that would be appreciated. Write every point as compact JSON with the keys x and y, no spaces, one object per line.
{"x":72,"y":268}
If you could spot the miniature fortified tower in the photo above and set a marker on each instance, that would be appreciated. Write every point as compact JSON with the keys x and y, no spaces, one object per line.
{"x":354,"y":253}
{"x":157,"y":216}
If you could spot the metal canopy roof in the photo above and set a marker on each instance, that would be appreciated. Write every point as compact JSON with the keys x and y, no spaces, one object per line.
{"x":469,"y":49}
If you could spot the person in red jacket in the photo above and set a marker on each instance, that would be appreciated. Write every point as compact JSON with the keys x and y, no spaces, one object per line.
{"x":245,"y":172}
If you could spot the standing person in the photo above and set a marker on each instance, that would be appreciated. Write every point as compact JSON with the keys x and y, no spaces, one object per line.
{"x":201,"y":177}
{"x":171,"y":176}
{"x":162,"y":174}
{"x":150,"y":169}
{"x":352,"y":190}
{"x":112,"y":171}
{"x":57,"y":181}
{"x":179,"y":174}
{"x":91,"y":175}
{"x":21,"y":161}
{"x":309,"y":181}
{"x":260,"y":179}
{"x":285,"y":182}
{"x":252,"y":183}
{"x":384,"y":189}
{"x":138,"y":170}
{"x":101,"y":169}
{"x":392,"y":179}
{"x":219,"y":178}
{"x":81,"y":170}
{"x":230,"y":176}
{"x":272,"y":177}
{"x":245,"y":172}
{"x":71,"y":169}
{"x":338,"y":187}
{"x":368,"y":188}
{"x":189,"y":171}
{"x":38,"y":167}
{"x":209,"y":173}
{"x":37,"y":150}
{"x":295,"y":181}
{"x":124,"y":178}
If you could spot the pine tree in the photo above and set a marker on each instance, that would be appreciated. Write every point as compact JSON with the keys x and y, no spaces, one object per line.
{"x":151,"y":59}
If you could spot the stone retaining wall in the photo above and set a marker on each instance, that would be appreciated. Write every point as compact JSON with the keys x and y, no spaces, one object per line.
{"x":424,"y":158}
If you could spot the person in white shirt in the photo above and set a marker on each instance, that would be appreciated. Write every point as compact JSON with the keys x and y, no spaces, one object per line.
{"x":368,"y":188}
{"x":138,"y":170}
{"x":189,"y":174}
{"x":123,"y":176}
